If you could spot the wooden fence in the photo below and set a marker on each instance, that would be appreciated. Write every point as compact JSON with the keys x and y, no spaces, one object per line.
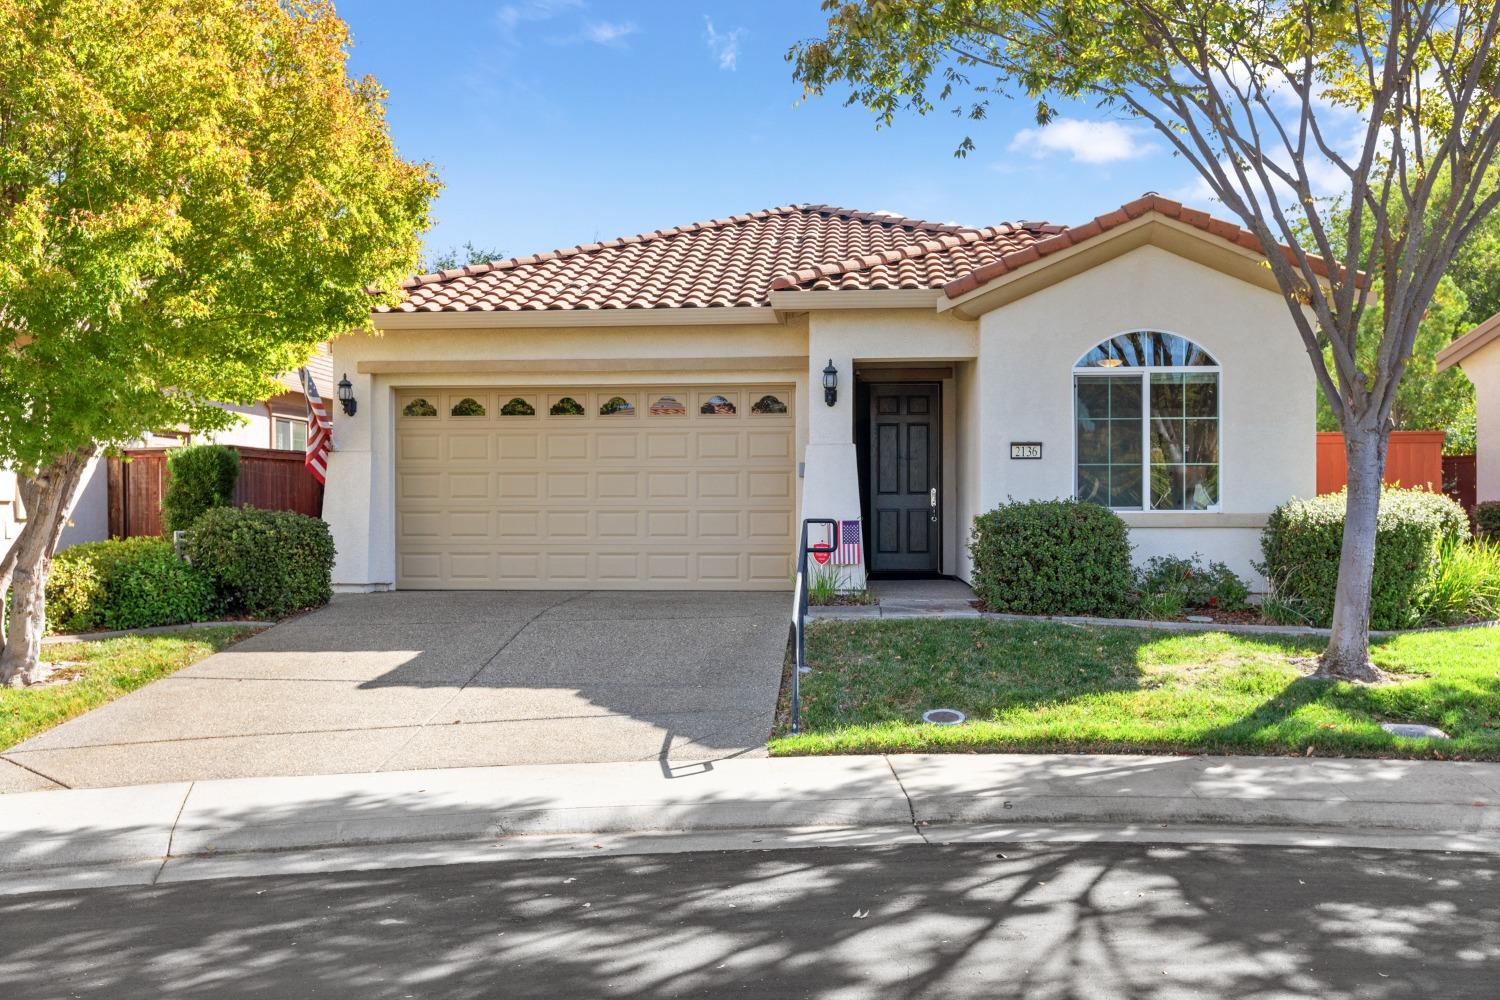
{"x":1461,"y":480}
{"x":1414,"y":458}
{"x":270,"y":479}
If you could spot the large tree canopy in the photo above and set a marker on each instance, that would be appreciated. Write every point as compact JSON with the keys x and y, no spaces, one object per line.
{"x":193,"y":196}
{"x":1397,"y":102}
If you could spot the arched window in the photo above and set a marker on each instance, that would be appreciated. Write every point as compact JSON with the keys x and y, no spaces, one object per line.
{"x":1146,"y":414}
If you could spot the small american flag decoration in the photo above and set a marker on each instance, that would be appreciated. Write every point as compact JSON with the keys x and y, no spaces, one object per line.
{"x":848,"y":551}
{"x":319,"y":430}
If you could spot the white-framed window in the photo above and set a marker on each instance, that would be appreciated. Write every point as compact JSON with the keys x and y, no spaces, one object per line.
{"x":289,"y":433}
{"x":1146,"y":424}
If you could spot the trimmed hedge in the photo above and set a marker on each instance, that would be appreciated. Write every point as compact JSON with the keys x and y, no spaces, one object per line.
{"x":1303,"y":538}
{"x":1487,"y":519}
{"x":1052,"y":557}
{"x":201,"y":477}
{"x":265,"y":563}
{"x":125,"y":583}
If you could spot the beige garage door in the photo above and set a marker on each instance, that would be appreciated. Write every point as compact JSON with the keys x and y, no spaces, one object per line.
{"x":672,"y":487}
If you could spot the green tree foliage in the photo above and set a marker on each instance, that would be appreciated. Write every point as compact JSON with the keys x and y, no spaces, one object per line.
{"x":192,"y":198}
{"x":1427,"y":399}
{"x":445,"y":260}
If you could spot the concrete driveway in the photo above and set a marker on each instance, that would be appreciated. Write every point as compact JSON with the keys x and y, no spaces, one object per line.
{"x":390,"y":682}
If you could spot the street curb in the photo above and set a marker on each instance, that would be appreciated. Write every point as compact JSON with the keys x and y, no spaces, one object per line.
{"x":74,"y":829}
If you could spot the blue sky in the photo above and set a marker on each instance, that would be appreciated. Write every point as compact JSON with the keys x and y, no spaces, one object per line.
{"x":556,"y":122}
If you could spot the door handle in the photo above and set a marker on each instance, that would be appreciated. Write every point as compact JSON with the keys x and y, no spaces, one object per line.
{"x":932,"y":503}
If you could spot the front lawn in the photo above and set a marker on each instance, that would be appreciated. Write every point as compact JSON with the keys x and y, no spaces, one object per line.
{"x":1048,"y":687}
{"x":102,"y":671}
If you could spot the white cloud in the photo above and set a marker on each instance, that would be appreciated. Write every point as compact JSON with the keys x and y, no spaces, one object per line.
{"x":725,"y":45}
{"x":513,"y":15}
{"x":607,"y":33}
{"x":1084,"y":141}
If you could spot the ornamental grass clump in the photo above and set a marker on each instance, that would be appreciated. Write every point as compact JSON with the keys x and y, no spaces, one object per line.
{"x":1302,"y":541}
{"x":1052,"y":557}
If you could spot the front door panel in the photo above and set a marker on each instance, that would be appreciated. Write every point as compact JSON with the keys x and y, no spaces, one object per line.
{"x":905,"y":504}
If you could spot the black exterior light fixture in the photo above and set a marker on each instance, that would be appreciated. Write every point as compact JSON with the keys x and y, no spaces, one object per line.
{"x":346,"y":396}
{"x":830,"y":384}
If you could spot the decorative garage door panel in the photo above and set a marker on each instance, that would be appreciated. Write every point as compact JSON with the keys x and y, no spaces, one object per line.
{"x":671,"y":487}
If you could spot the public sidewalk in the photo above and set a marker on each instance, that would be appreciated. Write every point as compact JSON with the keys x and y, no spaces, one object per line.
{"x":145,"y":834}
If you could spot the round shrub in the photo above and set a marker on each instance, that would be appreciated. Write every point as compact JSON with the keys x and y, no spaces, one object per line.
{"x":1303,"y":538}
{"x":200,"y":477}
{"x":265,"y":563}
{"x":125,"y":583}
{"x":1052,"y":557}
{"x":1487,"y":519}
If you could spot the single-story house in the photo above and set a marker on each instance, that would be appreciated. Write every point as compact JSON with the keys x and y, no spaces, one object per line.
{"x":1478,"y":354}
{"x":652,"y":412}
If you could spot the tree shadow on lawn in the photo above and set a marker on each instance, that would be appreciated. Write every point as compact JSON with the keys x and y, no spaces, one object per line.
{"x":1050,"y":686}
{"x":1041,"y":922}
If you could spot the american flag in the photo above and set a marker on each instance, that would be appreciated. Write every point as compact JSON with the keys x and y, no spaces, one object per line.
{"x":319,"y":430}
{"x":848,"y":549}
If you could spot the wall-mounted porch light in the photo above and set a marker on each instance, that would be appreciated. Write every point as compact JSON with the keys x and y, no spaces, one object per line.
{"x":346,"y":396}
{"x":830,"y":384}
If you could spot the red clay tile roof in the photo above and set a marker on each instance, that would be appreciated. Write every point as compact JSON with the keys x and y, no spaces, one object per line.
{"x":721,"y":263}
{"x":740,"y":260}
{"x":1074,"y":235}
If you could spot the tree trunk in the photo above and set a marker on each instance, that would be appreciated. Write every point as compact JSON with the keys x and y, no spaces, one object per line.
{"x":1347,"y":657}
{"x":48,"y":497}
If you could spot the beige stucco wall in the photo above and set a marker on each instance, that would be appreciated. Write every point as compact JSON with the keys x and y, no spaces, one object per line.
{"x":1026,"y":355}
{"x":360,"y":502}
{"x":1483,"y":369}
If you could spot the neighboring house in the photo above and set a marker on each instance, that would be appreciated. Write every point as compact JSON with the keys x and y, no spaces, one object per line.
{"x":1478,"y":354}
{"x":649,"y":412}
{"x":280,"y":423}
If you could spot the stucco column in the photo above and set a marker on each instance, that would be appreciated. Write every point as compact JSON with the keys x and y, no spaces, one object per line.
{"x":830,"y":485}
{"x":357,"y":502}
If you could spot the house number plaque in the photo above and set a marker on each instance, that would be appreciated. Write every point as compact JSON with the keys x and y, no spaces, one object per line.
{"x":1025,"y":449}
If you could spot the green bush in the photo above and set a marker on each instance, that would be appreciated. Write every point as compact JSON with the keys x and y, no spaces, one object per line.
{"x":125,"y":583}
{"x":1052,"y":557}
{"x":1190,"y":585}
{"x":1487,"y":519}
{"x":265,"y":563}
{"x":1303,"y":538}
{"x":201,"y":477}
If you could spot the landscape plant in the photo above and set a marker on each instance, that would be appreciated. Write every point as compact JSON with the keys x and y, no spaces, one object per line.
{"x":199,"y":477}
{"x":123,"y":584}
{"x":263,"y":563}
{"x":1052,"y":557}
{"x":1395,"y":105}
{"x":1300,"y":547}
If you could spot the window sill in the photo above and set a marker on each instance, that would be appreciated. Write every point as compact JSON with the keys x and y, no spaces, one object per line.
{"x":1190,"y":519}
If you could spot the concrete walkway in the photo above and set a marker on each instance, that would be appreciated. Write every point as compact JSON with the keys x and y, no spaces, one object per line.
{"x":392,"y":682}
{"x":131,"y":834}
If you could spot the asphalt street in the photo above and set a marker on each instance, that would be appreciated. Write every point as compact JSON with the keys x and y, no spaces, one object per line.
{"x":1035,"y":921}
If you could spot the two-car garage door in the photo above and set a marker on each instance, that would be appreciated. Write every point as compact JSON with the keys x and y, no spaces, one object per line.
{"x":666,"y":487}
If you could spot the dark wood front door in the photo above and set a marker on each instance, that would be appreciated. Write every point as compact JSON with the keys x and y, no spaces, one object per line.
{"x":905,"y":478}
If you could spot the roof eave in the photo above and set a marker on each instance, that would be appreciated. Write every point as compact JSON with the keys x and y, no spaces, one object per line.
{"x":1475,"y":340}
{"x":511,"y":318}
{"x":1151,"y":228}
{"x":806,"y":300}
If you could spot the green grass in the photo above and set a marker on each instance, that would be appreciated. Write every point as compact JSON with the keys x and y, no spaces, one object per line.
{"x":1047,"y":687}
{"x":104,"y":671}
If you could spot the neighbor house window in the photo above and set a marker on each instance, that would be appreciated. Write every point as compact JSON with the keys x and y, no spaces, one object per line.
{"x":1146,"y":416}
{"x":290,"y":433}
